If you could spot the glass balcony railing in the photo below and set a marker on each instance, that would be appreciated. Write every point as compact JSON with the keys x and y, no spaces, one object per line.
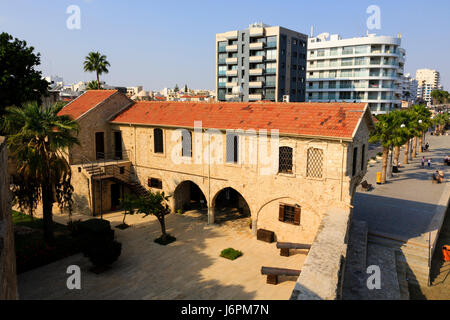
{"x":271,"y":70}
{"x":271,"y":44}
{"x":222,"y":49}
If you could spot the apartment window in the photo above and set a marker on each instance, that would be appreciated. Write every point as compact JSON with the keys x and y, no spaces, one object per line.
{"x":355,"y":159}
{"x":154,"y":183}
{"x":289,"y":214}
{"x":314,"y":167}
{"x":158,"y":140}
{"x":232,"y":148}
{"x":333,"y":52}
{"x":186,"y":143}
{"x":271,"y":54}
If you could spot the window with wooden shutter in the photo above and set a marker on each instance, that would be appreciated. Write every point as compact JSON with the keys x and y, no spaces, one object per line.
{"x":281,"y":213}
{"x":158,"y":140}
{"x":289,"y":214}
{"x":155,"y":183}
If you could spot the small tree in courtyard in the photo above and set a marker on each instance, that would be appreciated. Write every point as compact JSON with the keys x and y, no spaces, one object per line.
{"x":129,"y":204}
{"x":155,"y":203}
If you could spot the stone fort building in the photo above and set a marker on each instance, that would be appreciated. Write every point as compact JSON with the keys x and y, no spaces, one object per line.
{"x":281,"y":164}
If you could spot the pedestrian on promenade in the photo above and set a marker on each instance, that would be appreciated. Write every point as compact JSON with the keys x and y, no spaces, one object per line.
{"x":429,"y":162}
{"x":423,"y":162}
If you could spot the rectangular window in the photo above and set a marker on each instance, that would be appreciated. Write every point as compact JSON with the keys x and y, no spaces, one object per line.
{"x":271,"y":54}
{"x":355,"y":159}
{"x":232,"y":148}
{"x":186,"y":143}
{"x":362,"y":157}
{"x":155,"y":183}
{"x":158,"y":140}
{"x":289,"y":214}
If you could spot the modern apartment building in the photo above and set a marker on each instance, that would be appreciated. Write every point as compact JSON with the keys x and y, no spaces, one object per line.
{"x":261,"y":63}
{"x":409,"y":88}
{"x":366,"y":69}
{"x":427,"y":80}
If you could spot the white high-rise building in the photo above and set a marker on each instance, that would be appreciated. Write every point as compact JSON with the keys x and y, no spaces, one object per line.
{"x":427,"y":81}
{"x":365,"y":69}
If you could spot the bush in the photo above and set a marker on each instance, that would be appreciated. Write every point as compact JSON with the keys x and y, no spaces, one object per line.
{"x":97,"y":242}
{"x":231,"y":253}
{"x":380,"y":154}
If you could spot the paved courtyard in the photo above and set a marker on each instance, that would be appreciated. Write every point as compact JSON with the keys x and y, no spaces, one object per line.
{"x":407,"y":204}
{"x":189,"y":268}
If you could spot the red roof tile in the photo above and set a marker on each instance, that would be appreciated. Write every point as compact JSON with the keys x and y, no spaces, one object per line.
{"x":314,"y":119}
{"x":86,"y":102}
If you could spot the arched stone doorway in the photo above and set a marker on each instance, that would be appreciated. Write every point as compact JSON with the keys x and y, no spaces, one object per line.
{"x":230,"y":205}
{"x":189,"y":196}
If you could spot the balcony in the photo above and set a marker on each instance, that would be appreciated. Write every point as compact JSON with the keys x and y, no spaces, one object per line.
{"x":231,"y":35}
{"x":231,"y":96}
{"x":256,"y":72}
{"x":232,"y":73}
{"x":232,"y":48}
{"x":255,"y":84}
{"x":256,"y":32}
{"x":255,"y":97}
{"x":231,"y":84}
{"x":231,"y":60}
{"x":256,"y":46}
{"x":256,"y":59}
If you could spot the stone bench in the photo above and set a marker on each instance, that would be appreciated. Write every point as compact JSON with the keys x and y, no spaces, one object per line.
{"x":285,"y":246}
{"x":273,"y":273}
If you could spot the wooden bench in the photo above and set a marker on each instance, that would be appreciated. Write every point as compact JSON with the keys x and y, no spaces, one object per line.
{"x":273,"y":273}
{"x":366,"y":186}
{"x":285,"y":246}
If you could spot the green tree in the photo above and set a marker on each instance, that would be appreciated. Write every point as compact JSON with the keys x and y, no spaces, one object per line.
{"x":96,"y":62}
{"x":176,"y":89}
{"x":19,"y":81}
{"x":129,"y":204}
{"x":92,"y":85}
{"x":155,"y":203}
{"x":420,"y":122}
{"x":441,"y":120}
{"x":185,"y":88}
{"x":401,"y":132}
{"x":38,"y":139}
{"x":384,"y":134}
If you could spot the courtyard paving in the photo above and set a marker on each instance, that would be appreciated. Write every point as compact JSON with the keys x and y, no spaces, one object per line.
{"x":407,"y":204}
{"x":189,"y":268}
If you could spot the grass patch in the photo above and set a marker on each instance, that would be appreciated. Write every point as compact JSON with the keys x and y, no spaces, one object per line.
{"x":231,"y":253}
{"x":31,"y":249}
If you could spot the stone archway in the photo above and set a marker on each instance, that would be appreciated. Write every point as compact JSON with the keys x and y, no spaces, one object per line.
{"x":189,"y":196}
{"x":229,"y":204}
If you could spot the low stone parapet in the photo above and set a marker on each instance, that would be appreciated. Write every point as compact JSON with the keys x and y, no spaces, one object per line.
{"x":322,"y":273}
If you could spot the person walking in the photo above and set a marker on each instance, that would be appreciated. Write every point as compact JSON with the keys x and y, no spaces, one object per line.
{"x":429,"y":163}
{"x":423,"y":162}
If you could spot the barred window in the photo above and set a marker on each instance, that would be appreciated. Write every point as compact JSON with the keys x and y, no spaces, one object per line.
{"x":158,"y":140}
{"x":285,"y":160}
{"x":289,"y":214}
{"x":314,"y":167}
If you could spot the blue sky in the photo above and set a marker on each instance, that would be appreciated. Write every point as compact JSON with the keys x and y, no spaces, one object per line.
{"x":159,"y":44}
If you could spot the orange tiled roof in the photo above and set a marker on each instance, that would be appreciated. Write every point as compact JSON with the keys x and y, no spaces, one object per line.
{"x":86,"y":102}
{"x":313,"y":119}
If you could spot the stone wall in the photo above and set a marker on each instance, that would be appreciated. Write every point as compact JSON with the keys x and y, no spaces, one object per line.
{"x":322,"y":273}
{"x":262,"y":192}
{"x":8,"y":280}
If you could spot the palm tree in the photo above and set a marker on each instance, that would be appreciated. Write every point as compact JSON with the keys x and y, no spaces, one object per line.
{"x":441,"y":120}
{"x":421,"y":121}
{"x":38,"y":138}
{"x":408,"y":121}
{"x":96,"y":62}
{"x":384,"y":134}
{"x":92,"y":85}
{"x":401,"y":132}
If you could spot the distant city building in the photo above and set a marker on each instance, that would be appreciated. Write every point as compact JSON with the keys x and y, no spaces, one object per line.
{"x":427,"y":81}
{"x":409,"y":88}
{"x":366,"y":69}
{"x":261,"y":63}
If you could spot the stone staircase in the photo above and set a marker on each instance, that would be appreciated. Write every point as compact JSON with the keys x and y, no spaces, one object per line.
{"x":411,"y":256}
{"x":113,"y":172}
{"x":360,"y":255}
